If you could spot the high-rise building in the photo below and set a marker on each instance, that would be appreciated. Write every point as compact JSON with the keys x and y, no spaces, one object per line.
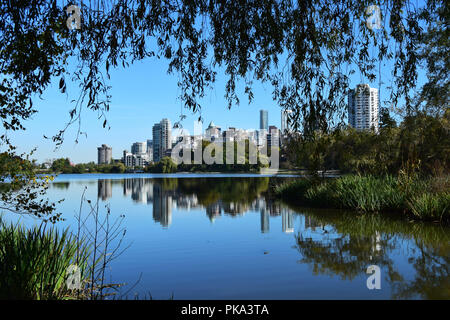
{"x":104,"y":154}
{"x":363,"y":106}
{"x":162,"y":139}
{"x":273,"y":138}
{"x":150,"y":150}
{"x":264,"y":120}
{"x":156,"y":142}
{"x":166,"y":134}
{"x":138,"y":148}
{"x":285,"y":128}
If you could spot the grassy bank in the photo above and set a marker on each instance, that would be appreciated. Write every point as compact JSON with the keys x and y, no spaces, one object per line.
{"x":34,"y":263}
{"x":426,"y":199}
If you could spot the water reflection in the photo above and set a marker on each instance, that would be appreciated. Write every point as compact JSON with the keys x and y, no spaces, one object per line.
{"x":344,"y":244}
{"x":225,"y":196}
{"x":414,"y":257}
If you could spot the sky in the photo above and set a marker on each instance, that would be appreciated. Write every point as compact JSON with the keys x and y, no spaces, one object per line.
{"x":142,"y":95}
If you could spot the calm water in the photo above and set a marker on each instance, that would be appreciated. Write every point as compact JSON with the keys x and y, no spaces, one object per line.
{"x":221,"y":237}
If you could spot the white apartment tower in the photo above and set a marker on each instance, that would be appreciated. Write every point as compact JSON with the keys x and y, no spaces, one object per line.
{"x":166,"y":134}
{"x":162,"y":139}
{"x":363,"y":106}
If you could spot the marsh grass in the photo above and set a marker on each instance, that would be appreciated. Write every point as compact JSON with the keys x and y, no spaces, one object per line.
{"x":431,"y":206}
{"x":426,"y":199}
{"x":34,"y":262}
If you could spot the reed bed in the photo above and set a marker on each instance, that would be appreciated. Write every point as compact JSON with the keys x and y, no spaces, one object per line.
{"x":413,"y":196}
{"x":34,"y":262}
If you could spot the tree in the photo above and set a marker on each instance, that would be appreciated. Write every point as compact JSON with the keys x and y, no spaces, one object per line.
{"x":166,"y":165}
{"x":61,"y":165}
{"x":21,"y":189}
{"x":386,"y":121}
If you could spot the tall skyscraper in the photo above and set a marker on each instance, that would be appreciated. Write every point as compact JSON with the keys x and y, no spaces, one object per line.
{"x":363,"y":106}
{"x":162,"y":139}
{"x":157,"y":142}
{"x":104,"y":154}
{"x":264,"y":120}
{"x":166,"y":134}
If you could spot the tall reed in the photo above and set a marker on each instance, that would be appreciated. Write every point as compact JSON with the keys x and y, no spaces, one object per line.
{"x":34,"y":262}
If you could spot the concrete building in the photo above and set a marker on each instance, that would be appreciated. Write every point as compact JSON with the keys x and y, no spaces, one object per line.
{"x":104,"y":154}
{"x":150,"y":150}
{"x":138,"y":148}
{"x":213,"y":132}
{"x":273,"y":138}
{"x":162,"y":139}
{"x":134,"y":160}
{"x":156,"y":142}
{"x":363,"y":106}
{"x":166,"y":134}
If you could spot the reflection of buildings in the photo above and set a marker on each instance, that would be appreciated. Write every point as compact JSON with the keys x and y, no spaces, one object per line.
{"x":311,"y":223}
{"x":264,"y":220}
{"x":287,"y":221}
{"x":104,"y":189}
{"x":234,"y":208}
{"x":213,"y":211}
{"x":140,"y":190}
{"x":162,"y":206}
{"x":165,"y":196}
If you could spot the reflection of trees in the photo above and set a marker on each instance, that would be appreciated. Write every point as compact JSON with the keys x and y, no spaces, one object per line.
{"x":345,"y":256}
{"x":60,"y":185}
{"x":233,"y":196}
{"x":235,"y":191}
{"x":432,"y":279}
{"x":370,"y":239}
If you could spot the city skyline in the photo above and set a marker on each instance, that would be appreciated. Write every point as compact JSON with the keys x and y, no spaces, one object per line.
{"x":363,"y":114}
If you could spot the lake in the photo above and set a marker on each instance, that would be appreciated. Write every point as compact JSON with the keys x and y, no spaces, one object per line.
{"x":221,"y":236}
